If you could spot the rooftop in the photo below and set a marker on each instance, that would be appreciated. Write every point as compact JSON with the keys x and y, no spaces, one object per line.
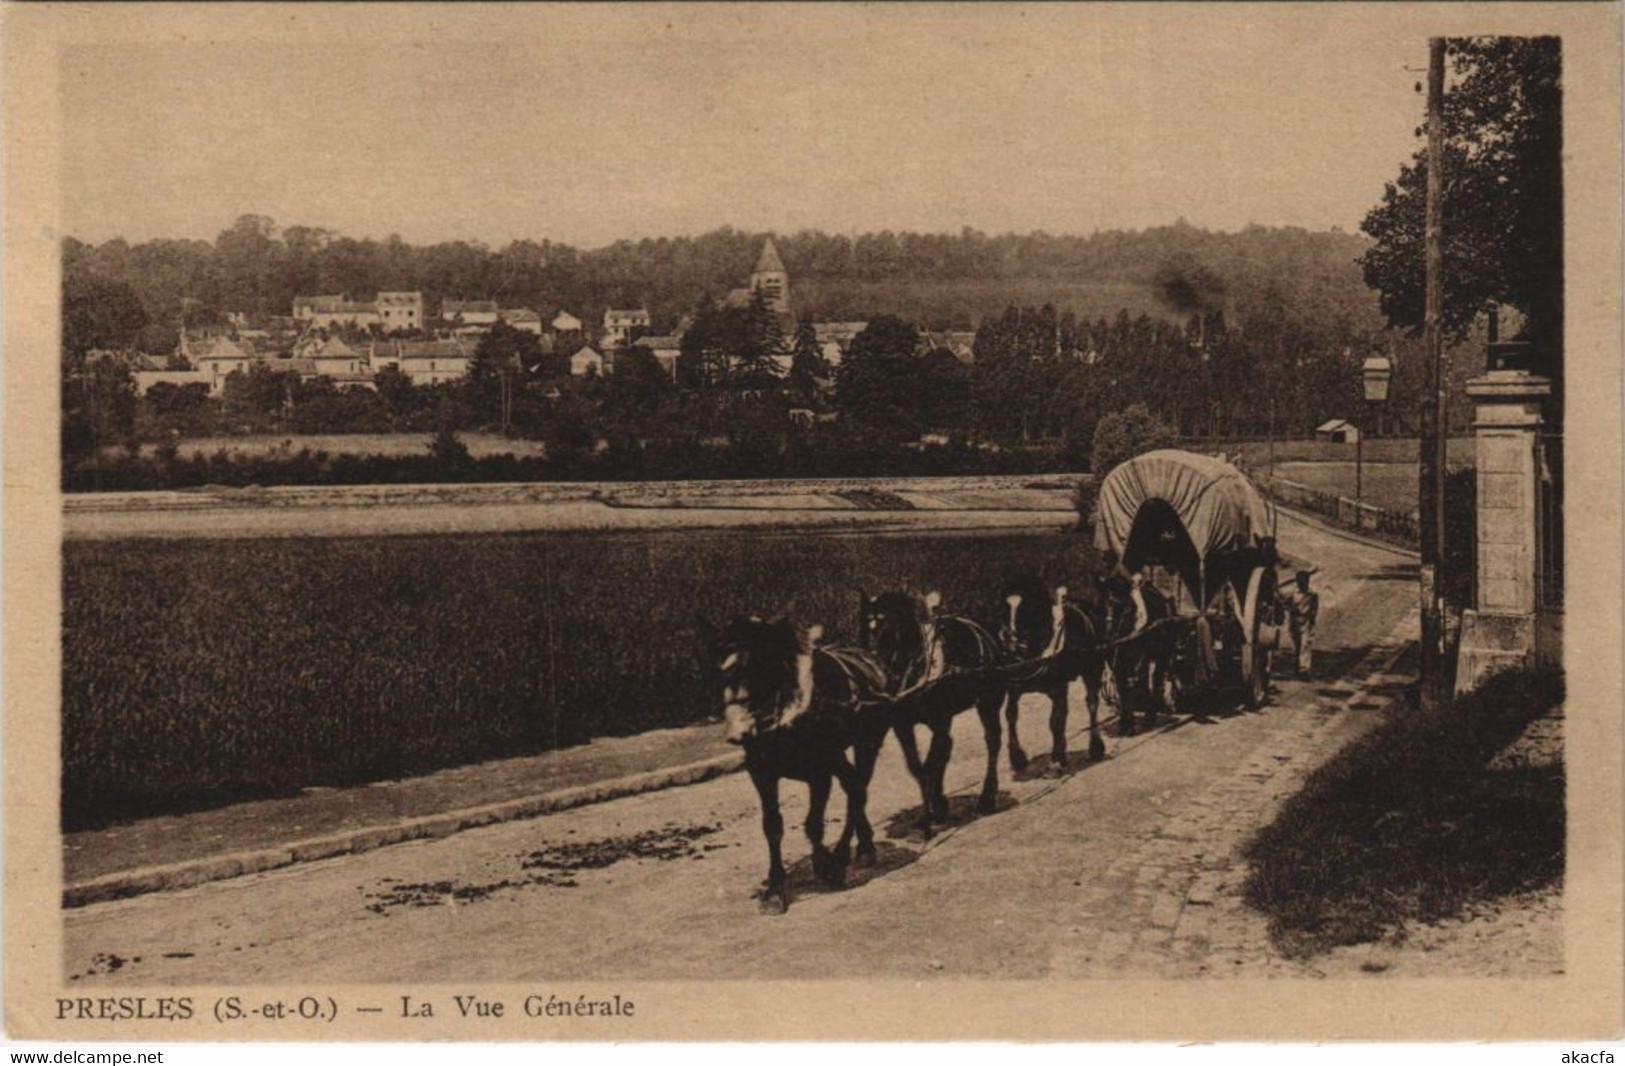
{"x":221,"y":348}
{"x":332,"y":348}
{"x":453,"y":307}
{"x":769,"y":262}
{"x":437,"y":349}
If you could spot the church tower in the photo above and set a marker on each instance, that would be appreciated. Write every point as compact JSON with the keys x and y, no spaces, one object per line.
{"x":770,"y":279}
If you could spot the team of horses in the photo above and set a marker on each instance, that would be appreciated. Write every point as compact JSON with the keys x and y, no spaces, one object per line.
{"x":819,"y":713}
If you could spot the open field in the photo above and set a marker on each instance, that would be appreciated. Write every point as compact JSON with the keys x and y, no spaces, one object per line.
{"x":1255,"y":454}
{"x":196,"y":673}
{"x":1391,"y":486}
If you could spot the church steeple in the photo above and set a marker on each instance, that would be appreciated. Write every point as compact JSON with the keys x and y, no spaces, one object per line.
{"x":771,"y":279}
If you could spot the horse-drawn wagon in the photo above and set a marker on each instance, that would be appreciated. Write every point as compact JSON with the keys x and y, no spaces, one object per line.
{"x":1193,"y":615}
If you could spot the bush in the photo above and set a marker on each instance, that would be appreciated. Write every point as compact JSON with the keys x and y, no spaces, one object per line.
{"x":448,"y":449}
{"x":1124,"y":434}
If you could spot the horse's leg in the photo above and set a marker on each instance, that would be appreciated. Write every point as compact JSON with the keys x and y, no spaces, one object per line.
{"x":861,"y":772}
{"x":1012,"y":710}
{"x":865,"y":774}
{"x":936,"y":764}
{"x":987,"y":709}
{"x":1123,"y":675}
{"x":1092,"y":671}
{"x":846,"y":774}
{"x":1150,"y":681}
{"x":1058,"y":700}
{"x":911,"y":758}
{"x":824,"y":864}
{"x":767,"y":787}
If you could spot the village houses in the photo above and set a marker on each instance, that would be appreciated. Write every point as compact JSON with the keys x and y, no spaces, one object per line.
{"x":619,"y":325}
{"x":322,"y":350}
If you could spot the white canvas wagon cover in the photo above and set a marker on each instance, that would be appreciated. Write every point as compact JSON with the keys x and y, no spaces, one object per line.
{"x":1219,"y":507}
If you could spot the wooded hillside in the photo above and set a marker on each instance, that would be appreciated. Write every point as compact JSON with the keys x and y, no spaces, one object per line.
{"x":938,"y":281}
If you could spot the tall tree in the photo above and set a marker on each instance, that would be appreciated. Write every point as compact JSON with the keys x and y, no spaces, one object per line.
{"x":252,"y":267}
{"x":1503,"y":204}
{"x":708,"y":347}
{"x":877,"y":382}
{"x":498,"y":367}
{"x":807,"y":365}
{"x":754,"y":363}
{"x":98,"y":313}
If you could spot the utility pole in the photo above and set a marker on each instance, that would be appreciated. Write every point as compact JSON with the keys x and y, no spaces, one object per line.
{"x":507,"y":400}
{"x":1272,"y":432}
{"x":1431,"y":449}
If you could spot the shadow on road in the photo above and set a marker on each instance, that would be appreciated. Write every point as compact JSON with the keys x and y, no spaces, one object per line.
{"x":905,"y":824}
{"x":1077,"y":760}
{"x":802,"y":880}
{"x":1332,"y":664}
{"x":1393,"y":572}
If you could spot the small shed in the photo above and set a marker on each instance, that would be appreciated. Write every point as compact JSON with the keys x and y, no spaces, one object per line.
{"x":1338,"y":431}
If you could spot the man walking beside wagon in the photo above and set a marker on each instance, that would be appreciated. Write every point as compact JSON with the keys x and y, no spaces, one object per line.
{"x":1302,"y":607}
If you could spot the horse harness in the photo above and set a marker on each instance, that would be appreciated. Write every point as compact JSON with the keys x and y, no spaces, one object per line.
{"x":932,"y":665}
{"x":860,"y":677}
{"x":1058,"y":643}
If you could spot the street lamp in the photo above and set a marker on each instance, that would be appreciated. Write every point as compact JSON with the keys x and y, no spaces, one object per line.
{"x":1377,"y":371}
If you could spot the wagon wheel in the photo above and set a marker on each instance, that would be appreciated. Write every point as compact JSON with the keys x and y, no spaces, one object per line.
{"x":1260,"y":634}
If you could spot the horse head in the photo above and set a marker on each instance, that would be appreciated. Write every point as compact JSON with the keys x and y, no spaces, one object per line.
{"x":1030,"y":622}
{"x":1129,"y":603}
{"x":890,"y":629}
{"x":764,"y":673}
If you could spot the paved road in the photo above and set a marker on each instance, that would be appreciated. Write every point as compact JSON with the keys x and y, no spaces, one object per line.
{"x":1124,"y":867}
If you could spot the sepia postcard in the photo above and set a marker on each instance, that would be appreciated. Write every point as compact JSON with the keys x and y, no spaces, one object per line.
{"x":731,"y":522}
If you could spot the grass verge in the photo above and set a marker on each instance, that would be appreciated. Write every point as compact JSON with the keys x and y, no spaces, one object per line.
{"x":1411,"y":823}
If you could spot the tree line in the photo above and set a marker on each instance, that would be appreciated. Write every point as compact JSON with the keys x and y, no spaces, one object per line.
{"x":937,"y":280}
{"x":1040,"y":382}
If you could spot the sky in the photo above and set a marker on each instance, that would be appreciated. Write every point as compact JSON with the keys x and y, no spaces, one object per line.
{"x":591,"y":125}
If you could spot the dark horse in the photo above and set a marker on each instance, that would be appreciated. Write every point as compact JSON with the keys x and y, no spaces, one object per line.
{"x":937,"y":665}
{"x":1138,"y":645}
{"x":796,"y":708}
{"x":1051,"y":641}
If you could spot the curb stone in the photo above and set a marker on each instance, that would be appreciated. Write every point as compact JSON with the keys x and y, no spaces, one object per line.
{"x":127,"y":883}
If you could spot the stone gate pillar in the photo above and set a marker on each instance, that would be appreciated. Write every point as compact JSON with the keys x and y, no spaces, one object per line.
{"x":1500,"y":631}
